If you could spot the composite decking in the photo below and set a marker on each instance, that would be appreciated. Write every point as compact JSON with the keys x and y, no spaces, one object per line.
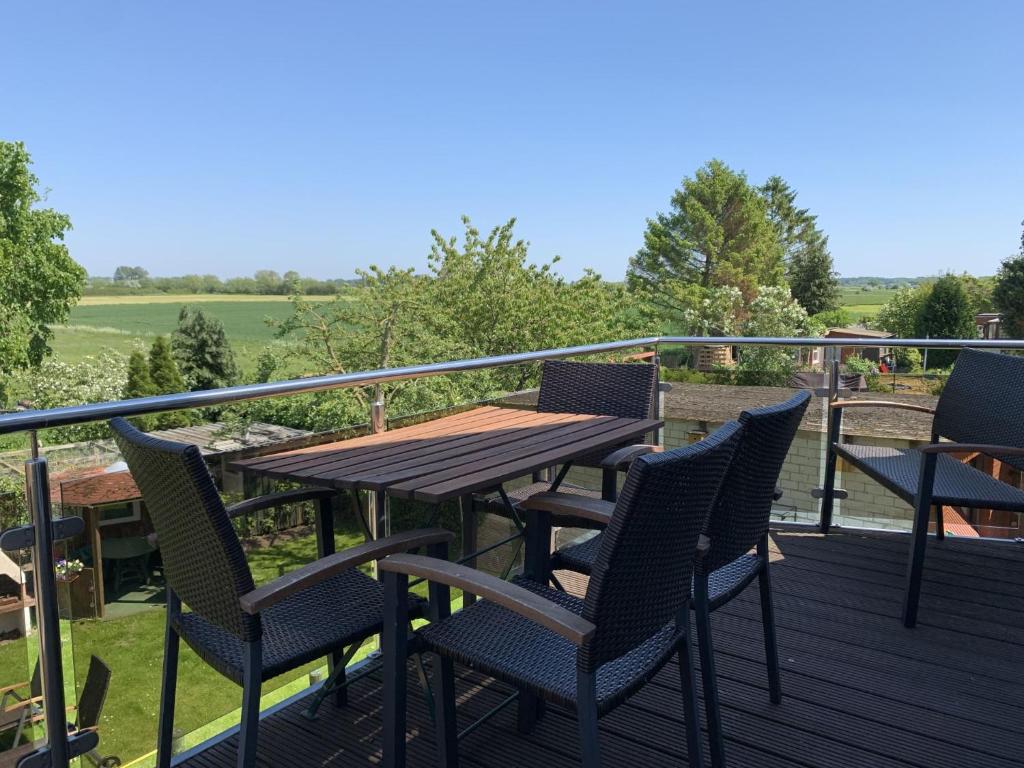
{"x":859,"y":689}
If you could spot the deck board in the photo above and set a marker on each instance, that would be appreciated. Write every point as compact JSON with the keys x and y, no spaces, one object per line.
{"x":859,"y":689}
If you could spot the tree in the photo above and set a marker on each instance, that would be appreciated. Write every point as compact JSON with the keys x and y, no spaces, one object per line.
{"x":773,"y":313}
{"x":39,"y":281}
{"x":135,"y":274}
{"x":167,"y":379}
{"x":139,"y":384}
{"x":481,"y":297}
{"x":946,"y":314}
{"x":1008,"y":294}
{"x":717,"y":233}
{"x":809,"y":269}
{"x":899,"y":315}
{"x":55,"y":384}
{"x":202,"y":351}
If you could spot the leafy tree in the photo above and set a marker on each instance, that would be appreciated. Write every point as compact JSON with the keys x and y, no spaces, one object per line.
{"x":717,"y":233}
{"x":202,"y":351}
{"x":832,"y":318}
{"x":481,"y":297}
{"x":979,"y":292}
{"x":773,"y":313}
{"x":39,"y":281}
{"x":1008,"y":294}
{"x":55,"y":383}
{"x":809,"y":269}
{"x":946,"y":314}
{"x":899,"y":315}
{"x":124,"y":274}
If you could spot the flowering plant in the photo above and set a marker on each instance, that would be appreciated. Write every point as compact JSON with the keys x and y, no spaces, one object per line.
{"x":68,"y":569}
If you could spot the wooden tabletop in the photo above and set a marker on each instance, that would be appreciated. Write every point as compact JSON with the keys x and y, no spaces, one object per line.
{"x":449,"y":457}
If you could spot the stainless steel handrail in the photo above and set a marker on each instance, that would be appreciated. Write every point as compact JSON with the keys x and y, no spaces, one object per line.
{"x":79,"y":414}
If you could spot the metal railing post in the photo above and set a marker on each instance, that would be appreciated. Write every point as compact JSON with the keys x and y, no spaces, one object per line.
{"x":380,"y":520}
{"x":47,"y":614}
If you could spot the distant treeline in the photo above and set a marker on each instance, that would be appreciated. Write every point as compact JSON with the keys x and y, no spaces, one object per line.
{"x":265,"y":282}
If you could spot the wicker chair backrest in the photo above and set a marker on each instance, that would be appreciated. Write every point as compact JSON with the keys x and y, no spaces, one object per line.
{"x":983,"y":402}
{"x":94,"y":694}
{"x":202,"y":558}
{"x":626,"y":390}
{"x":644,"y":569}
{"x":740,"y":516}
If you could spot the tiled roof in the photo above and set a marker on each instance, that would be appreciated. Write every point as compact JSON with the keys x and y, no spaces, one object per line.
{"x":93,"y":487}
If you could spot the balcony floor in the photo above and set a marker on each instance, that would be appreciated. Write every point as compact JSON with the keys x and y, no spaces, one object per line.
{"x":859,"y":689}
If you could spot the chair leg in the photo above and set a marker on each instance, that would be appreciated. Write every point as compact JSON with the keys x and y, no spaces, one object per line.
{"x":712,"y":714}
{"x":586,"y":705}
{"x":691,"y":711}
{"x":528,"y":712}
{"x":918,"y":541}
{"x":252,"y":682}
{"x":771,"y":647}
{"x":168,"y":686}
{"x":394,"y":649}
{"x":444,"y":705}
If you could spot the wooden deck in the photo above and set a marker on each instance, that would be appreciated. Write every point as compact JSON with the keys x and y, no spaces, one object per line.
{"x":859,"y":689}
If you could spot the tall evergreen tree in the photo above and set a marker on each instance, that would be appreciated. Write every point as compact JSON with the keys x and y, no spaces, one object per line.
{"x":166,"y":378}
{"x":809,"y":269}
{"x":202,"y":350}
{"x":163,"y":370}
{"x":717,"y":234}
{"x":946,"y":313}
{"x":139,"y":384}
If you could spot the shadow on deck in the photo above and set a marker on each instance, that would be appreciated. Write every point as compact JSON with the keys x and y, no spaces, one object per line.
{"x":859,"y":689}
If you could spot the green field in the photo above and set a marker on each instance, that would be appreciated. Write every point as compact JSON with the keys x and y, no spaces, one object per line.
{"x":123,"y":323}
{"x":864,"y":304}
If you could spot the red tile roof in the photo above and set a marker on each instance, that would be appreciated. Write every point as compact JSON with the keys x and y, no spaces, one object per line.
{"x":92,"y":488}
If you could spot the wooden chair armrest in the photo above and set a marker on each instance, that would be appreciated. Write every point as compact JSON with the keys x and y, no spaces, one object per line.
{"x":326,"y":567}
{"x":12,"y":688}
{"x":271,"y":500}
{"x":563,"y":622}
{"x":570,"y":505}
{"x":23,"y":704}
{"x":988,"y":450}
{"x":622,"y":458}
{"x":881,"y":404}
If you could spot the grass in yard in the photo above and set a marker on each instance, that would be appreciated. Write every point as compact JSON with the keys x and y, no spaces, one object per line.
{"x":133,"y":648}
{"x":179,"y":298}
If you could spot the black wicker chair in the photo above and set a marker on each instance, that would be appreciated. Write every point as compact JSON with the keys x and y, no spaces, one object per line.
{"x":587,"y":655}
{"x":725,"y":564}
{"x":249,"y":634}
{"x":981,"y":410}
{"x":627,"y":390}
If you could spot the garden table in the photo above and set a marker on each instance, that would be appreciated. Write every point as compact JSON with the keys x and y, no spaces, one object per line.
{"x":449,"y":458}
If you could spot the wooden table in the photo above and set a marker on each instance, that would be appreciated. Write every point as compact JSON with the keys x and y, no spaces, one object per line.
{"x":450,"y":458}
{"x":447,"y":458}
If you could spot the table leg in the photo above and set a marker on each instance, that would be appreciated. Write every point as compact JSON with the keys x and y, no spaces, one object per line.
{"x":469,"y":540}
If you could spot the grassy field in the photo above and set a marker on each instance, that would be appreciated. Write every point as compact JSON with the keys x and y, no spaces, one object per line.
{"x":125,"y":323}
{"x":864,"y":304}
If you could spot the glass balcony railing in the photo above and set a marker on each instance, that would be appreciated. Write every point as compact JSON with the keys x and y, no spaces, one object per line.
{"x":108,"y":581}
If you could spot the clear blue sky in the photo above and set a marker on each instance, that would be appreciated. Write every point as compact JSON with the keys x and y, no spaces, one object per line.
{"x":322,"y":136}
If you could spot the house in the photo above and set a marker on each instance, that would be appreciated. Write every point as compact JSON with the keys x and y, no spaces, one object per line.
{"x":874,"y":354}
{"x":989,"y":325}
